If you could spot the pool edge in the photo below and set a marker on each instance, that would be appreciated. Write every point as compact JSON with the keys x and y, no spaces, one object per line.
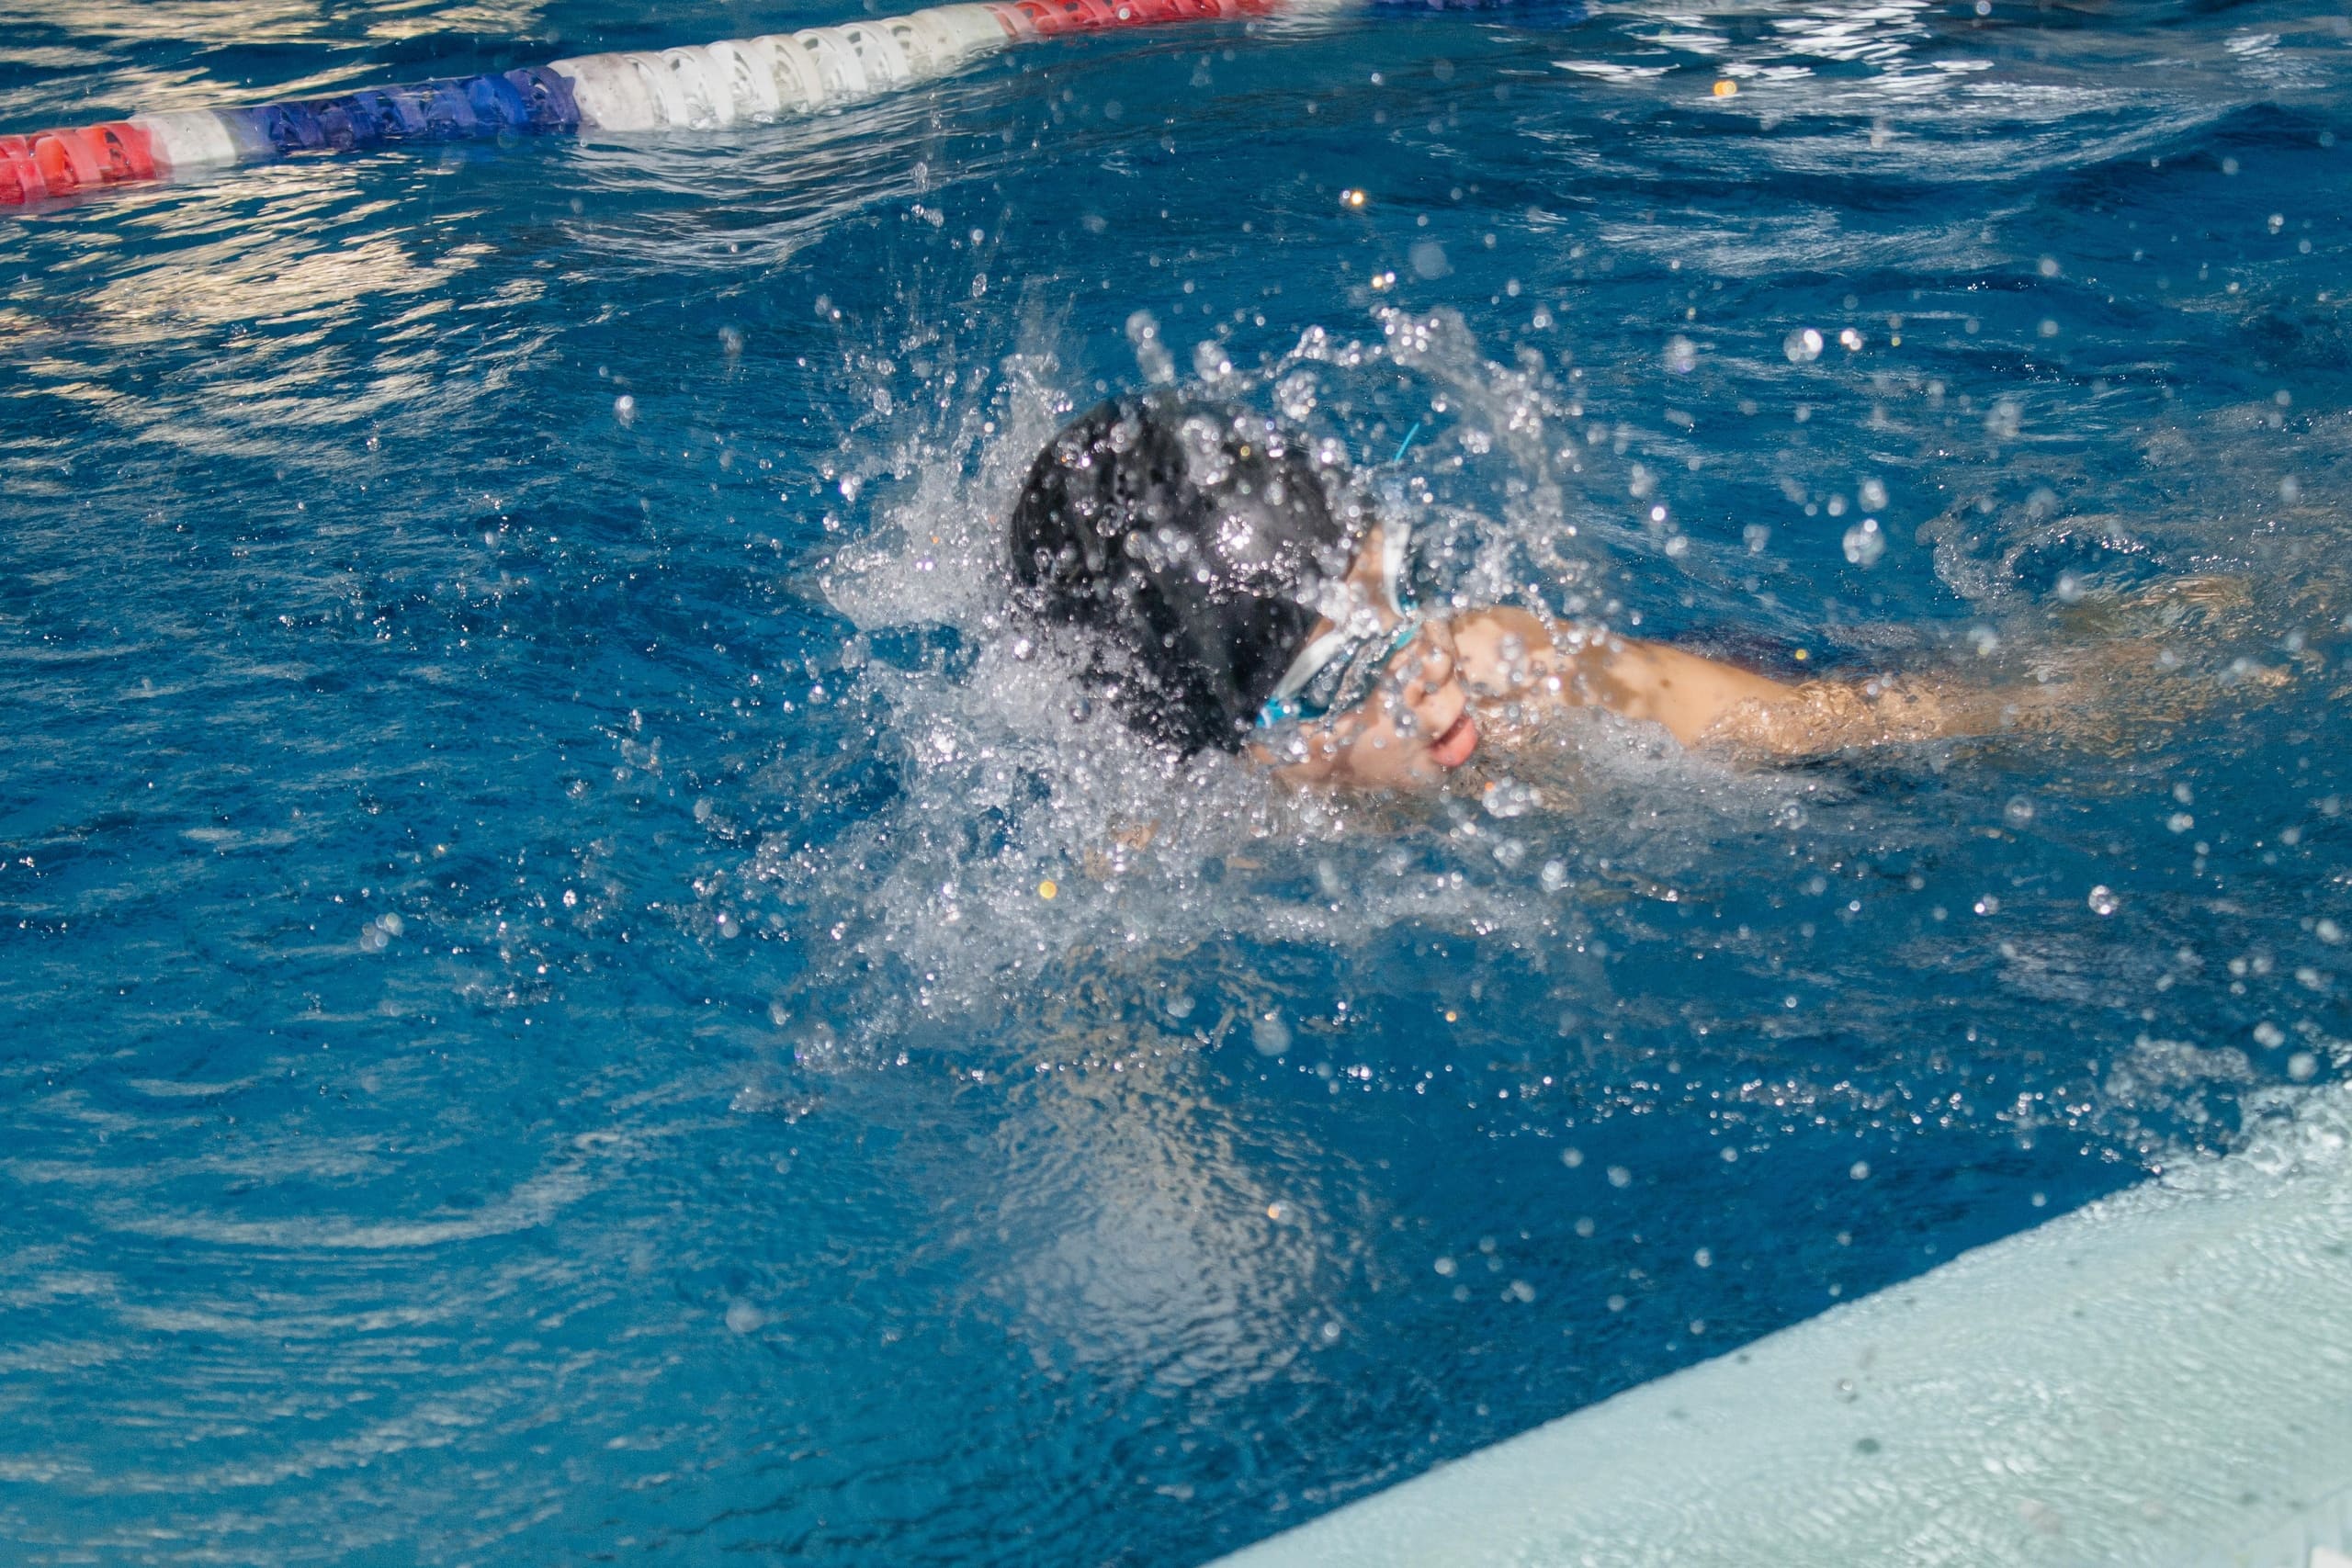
{"x":2163,"y":1376}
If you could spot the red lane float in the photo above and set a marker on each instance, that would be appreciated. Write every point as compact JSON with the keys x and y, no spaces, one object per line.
{"x":58,"y":163}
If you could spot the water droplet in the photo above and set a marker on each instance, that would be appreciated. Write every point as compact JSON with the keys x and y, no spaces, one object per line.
{"x":1151,"y":355}
{"x":1270,"y":1034}
{"x":1865,"y":542}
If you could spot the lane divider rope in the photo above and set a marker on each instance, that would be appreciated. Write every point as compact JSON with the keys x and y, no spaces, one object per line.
{"x":752,"y":81}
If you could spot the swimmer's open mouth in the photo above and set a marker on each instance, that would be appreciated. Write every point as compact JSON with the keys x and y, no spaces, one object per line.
{"x":1452,"y":749}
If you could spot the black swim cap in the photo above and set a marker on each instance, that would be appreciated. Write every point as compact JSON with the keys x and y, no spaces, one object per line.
{"x":1191,"y":540}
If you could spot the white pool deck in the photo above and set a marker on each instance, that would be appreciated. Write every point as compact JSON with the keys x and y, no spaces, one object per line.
{"x":2162,"y":1378}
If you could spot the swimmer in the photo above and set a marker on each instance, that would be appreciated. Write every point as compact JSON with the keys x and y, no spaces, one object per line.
{"x":1232,"y":592}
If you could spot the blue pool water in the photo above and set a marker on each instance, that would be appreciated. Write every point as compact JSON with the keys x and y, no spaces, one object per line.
{"x":530,"y":1029}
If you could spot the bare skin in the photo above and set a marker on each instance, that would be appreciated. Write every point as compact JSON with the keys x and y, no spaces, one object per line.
{"x":1479,"y":677}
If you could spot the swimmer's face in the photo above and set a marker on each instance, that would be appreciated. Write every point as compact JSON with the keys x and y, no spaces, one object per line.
{"x":1410,"y":733}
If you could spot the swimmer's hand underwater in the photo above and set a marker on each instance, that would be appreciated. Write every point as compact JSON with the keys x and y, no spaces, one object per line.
{"x":1232,"y":599}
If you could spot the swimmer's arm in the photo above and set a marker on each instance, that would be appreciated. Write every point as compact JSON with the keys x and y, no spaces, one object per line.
{"x":1703,"y":701}
{"x":1511,"y":654}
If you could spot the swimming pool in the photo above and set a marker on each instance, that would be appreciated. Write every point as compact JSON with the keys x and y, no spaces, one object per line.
{"x":534,"y":1026}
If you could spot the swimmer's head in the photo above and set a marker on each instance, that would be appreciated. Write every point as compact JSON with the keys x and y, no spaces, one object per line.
{"x":1194,"y":544}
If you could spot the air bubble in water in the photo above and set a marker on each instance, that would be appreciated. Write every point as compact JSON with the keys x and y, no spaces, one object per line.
{"x":2269,"y":1035}
{"x":1554,"y":875}
{"x":2018,"y":811}
{"x":1803,"y":347}
{"x":1681,"y":354}
{"x":2103,"y":901}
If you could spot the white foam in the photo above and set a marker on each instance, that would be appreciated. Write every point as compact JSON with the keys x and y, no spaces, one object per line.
{"x":2163,"y":1377}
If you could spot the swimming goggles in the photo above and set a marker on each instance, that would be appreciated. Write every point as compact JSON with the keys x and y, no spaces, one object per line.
{"x":1338,"y":669}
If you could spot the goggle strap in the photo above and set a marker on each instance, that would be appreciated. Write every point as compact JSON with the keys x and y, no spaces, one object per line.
{"x":1394,"y":539}
{"x":1309,"y":664}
